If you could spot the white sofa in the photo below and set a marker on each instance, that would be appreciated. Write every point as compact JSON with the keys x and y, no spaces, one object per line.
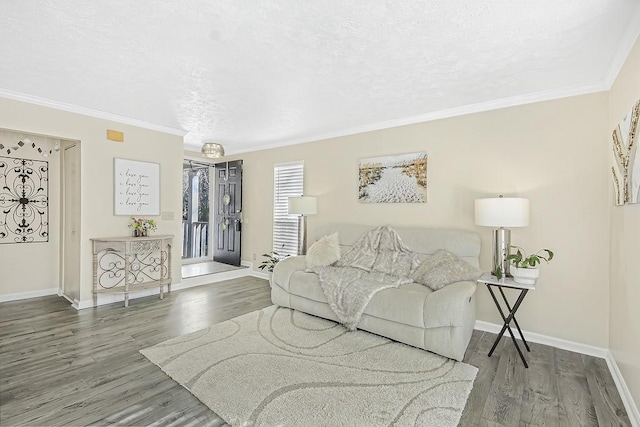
{"x":441,"y":321}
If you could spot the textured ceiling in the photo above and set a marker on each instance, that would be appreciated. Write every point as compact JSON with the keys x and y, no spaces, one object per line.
{"x":251,"y":74}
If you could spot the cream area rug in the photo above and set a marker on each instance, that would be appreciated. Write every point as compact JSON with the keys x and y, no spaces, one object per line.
{"x":280,"y":367}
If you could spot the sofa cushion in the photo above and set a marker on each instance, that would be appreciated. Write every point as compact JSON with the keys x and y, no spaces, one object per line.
{"x":307,"y":284}
{"x":444,"y":268}
{"x":404,"y":304}
{"x":324,"y":252}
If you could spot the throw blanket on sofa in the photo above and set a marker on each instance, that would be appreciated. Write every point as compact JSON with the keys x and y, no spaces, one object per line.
{"x":350,"y":285}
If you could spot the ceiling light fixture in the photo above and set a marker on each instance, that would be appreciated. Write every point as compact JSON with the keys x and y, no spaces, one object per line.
{"x":212,"y":150}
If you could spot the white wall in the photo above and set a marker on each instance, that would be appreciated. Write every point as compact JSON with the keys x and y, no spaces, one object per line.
{"x":624,"y":339}
{"x":26,"y":268}
{"x":97,"y":154}
{"x":551,"y":152}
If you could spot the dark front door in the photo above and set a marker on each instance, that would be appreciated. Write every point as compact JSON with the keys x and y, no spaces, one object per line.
{"x":228,"y":212}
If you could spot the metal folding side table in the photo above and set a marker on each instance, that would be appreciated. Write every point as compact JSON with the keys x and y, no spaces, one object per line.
{"x":507,"y":282}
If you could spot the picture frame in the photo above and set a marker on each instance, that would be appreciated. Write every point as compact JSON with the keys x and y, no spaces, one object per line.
{"x":136,"y":188}
{"x":399,"y":178}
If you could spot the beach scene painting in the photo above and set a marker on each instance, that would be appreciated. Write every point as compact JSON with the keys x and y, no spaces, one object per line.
{"x":393,"y":179}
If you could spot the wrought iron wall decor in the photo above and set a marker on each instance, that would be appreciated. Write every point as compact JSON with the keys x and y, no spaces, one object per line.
{"x":24,"y":200}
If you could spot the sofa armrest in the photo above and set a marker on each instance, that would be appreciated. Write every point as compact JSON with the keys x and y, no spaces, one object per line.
{"x":446,"y":306}
{"x":285,"y":268}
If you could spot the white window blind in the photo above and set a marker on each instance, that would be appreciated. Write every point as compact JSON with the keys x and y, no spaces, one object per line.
{"x":288,"y":182}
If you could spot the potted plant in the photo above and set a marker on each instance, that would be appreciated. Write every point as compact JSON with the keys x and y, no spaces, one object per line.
{"x":270,"y":262}
{"x":142,"y":226}
{"x":524,"y":267}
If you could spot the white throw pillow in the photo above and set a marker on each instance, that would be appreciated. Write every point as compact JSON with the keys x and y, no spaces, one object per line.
{"x":324,"y":252}
{"x":442,"y":269}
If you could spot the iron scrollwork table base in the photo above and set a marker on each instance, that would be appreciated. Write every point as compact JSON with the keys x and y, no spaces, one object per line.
{"x":124,"y":263}
{"x":510,"y":315}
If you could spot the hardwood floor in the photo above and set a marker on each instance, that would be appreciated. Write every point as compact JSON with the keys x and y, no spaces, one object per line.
{"x":62,"y":367}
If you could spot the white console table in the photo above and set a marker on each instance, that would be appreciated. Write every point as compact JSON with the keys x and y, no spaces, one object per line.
{"x":121,"y":264}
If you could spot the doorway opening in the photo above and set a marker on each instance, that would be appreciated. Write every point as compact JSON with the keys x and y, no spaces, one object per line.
{"x":196,"y":212}
{"x":211,"y":217}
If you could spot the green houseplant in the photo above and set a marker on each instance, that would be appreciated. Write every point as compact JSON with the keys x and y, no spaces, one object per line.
{"x":524,"y":268}
{"x":270,"y":262}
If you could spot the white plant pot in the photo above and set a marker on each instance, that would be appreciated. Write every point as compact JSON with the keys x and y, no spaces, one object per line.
{"x":525,"y":276}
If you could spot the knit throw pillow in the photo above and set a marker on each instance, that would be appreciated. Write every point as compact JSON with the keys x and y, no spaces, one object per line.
{"x":324,"y":252}
{"x":442,"y":269}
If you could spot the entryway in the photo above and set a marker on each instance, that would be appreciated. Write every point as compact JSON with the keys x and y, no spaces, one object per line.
{"x":204,"y":268}
{"x":211,"y":217}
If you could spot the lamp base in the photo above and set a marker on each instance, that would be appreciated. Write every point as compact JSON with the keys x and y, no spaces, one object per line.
{"x":302,"y":229}
{"x":501,"y":247}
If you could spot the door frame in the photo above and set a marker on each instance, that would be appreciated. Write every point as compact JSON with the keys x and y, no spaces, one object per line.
{"x":64,"y":145}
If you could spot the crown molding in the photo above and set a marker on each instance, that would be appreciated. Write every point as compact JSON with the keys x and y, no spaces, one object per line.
{"x":436,"y":115}
{"x":624,"y":49}
{"x":17,"y":96}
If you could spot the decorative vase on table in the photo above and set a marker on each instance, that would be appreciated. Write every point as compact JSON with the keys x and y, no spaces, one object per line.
{"x":525,"y":276}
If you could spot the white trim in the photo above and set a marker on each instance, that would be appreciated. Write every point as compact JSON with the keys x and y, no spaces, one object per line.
{"x":285,"y":164}
{"x":190,"y":282}
{"x":603,"y":353}
{"x":28,"y":295}
{"x":623,"y":51}
{"x":587,"y":349}
{"x":254,"y":273}
{"x":259,"y":275}
{"x":436,"y":115}
{"x":625,"y":394}
{"x":61,"y":294}
{"x":17,"y":96}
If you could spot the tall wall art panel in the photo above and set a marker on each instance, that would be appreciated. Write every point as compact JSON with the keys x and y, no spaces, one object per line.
{"x":24,"y":200}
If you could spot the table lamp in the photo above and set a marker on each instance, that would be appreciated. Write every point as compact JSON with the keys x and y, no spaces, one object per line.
{"x":302,"y":206}
{"x":502,"y":212}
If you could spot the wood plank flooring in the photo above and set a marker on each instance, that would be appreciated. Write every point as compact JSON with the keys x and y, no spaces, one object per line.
{"x":62,"y":367}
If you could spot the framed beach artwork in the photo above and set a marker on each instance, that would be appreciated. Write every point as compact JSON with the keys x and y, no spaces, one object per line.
{"x":400,"y":178}
{"x":625,"y":167}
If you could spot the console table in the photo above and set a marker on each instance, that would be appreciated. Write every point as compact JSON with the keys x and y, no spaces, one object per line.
{"x":507,"y":282}
{"x":124,"y":263}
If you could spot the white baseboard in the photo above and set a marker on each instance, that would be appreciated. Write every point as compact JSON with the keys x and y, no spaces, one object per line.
{"x":625,"y":394}
{"x":27,"y":295}
{"x":190,"y":282}
{"x":589,"y":350}
{"x":259,"y":275}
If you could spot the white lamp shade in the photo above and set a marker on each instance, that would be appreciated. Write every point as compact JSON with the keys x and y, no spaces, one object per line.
{"x":502,"y":212}
{"x":302,"y":205}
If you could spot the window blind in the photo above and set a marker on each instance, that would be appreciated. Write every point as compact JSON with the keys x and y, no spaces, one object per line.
{"x":288,"y":182}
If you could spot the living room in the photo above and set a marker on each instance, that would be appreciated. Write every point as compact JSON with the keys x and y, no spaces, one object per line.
{"x":552,"y":147}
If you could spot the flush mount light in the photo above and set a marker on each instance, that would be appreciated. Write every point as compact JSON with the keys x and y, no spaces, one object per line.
{"x":212,"y":150}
